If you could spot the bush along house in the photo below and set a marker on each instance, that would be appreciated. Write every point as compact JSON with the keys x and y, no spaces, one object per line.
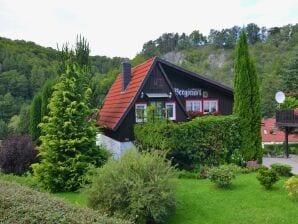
{"x":175,"y":93}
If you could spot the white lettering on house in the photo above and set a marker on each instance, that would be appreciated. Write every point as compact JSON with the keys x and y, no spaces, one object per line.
{"x":188,"y":92}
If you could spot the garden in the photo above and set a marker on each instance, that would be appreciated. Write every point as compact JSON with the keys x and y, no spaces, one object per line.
{"x":206,"y":170}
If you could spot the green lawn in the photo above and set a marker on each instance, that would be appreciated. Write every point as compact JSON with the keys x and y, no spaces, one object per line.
{"x":199,"y":201}
{"x":246,"y":202}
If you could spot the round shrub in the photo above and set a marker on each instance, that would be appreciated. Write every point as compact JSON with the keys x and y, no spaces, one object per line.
{"x":17,"y":154}
{"x":222,"y":176}
{"x":138,"y":187}
{"x":282,"y":169}
{"x":291,"y":186}
{"x":267,"y":177}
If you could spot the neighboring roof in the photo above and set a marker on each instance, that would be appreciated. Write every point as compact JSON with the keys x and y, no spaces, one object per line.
{"x":268,"y":125}
{"x":117,"y":102}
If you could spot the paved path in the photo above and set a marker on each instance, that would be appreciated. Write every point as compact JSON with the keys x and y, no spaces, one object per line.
{"x":292,"y":161}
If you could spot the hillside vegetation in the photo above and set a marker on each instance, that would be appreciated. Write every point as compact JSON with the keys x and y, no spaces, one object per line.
{"x":25,"y":66}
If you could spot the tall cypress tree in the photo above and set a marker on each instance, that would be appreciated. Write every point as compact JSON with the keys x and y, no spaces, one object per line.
{"x":247,"y":101}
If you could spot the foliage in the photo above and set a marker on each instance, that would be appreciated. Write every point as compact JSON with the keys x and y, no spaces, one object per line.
{"x":247,"y":101}
{"x":17,"y":154}
{"x":222,"y":176}
{"x":24,"y":115}
{"x":35,"y":117}
{"x":20,"y":204}
{"x":183,"y":174}
{"x":278,"y":150}
{"x":68,"y":142}
{"x":46,"y":94}
{"x":209,"y":140}
{"x":27,"y":179}
{"x":267,"y":177}
{"x":3,"y":130}
{"x":237,"y":158}
{"x":282,"y":169}
{"x":25,"y":67}
{"x":290,"y":75}
{"x":290,"y":103}
{"x":291,"y":186}
{"x":138,"y":187}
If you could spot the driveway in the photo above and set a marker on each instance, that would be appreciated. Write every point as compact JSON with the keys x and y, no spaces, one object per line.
{"x":292,"y":161}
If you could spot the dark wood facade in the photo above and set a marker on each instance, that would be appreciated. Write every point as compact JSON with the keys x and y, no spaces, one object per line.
{"x":167,"y":83}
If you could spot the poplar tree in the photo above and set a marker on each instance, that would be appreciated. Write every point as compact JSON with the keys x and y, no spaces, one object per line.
{"x":247,"y":101}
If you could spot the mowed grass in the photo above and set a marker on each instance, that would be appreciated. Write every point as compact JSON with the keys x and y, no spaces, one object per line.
{"x":199,"y":201}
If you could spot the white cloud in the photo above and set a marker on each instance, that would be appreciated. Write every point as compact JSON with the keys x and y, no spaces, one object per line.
{"x":119,"y":28}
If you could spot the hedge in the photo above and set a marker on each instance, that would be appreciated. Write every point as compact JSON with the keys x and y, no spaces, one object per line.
{"x":21,"y":204}
{"x":209,"y":140}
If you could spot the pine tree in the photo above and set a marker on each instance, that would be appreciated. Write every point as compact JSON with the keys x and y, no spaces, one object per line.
{"x":35,"y":117}
{"x":247,"y":101}
{"x":68,"y":138}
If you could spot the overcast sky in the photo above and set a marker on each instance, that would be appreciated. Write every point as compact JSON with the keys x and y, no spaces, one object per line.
{"x":121,"y":27}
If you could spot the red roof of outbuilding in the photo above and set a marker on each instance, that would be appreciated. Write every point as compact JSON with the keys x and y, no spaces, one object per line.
{"x":117,"y":102}
{"x":277,"y":135}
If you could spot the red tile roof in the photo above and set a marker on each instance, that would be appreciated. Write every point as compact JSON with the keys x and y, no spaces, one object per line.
{"x":279,"y":136}
{"x":117,"y":102}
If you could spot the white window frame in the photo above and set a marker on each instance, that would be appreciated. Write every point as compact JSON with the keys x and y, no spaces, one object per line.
{"x":192,"y":105}
{"x":174,"y":110}
{"x":209,"y":101}
{"x":140,"y":120}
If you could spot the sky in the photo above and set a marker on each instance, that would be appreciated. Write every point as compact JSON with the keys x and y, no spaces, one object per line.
{"x":121,"y":27}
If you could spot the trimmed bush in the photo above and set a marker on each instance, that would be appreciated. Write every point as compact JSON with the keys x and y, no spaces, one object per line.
{"x":21,"y":204}
{"x":291,"y":186}
{"x":282,"y":169}
{"x":17,"y":154}
{"x":222,"y":176}
{"x":138,"y":187}
{"x":209,"y":140}
{"x":267,"y":177}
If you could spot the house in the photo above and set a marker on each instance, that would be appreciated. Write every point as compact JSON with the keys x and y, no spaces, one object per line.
{"x":174,"y":91}
{"x":271,"y":134}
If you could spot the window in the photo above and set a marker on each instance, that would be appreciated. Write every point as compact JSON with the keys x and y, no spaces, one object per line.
{"x":194,"y":105}
{"x":265,"y":132}
{"x":171,"y":111}
{"x":159,"y":109}
{"x":210,"y":106}
{"x":140,"y":110}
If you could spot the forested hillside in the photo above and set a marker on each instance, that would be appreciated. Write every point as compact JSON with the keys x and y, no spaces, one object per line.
{"x":275,"y":52}
{"x":25,"y":66}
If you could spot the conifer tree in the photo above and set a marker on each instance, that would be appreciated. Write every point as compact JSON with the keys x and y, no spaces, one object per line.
{"x":35,"y":117}
{"x":68,"y":135}
{"x":46,"y":93}
{"x":68,"y":138}
{"x":247,"y":101}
